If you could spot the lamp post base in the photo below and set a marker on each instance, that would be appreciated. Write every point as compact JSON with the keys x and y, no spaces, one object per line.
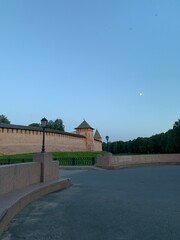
{"x":49,"y":168}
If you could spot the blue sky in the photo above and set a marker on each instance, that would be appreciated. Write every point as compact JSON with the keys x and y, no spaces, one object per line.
{"x":80,"y":59}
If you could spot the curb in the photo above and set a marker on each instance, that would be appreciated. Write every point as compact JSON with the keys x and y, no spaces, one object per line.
{"x":80,"y":168}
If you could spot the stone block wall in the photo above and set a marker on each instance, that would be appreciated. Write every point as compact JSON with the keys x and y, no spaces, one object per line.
{"x":49,"y":168}
{"x":17,"y":176}
{"x":110,"y":161}
{"x":14,"y":140}
{"x":97,"y":145}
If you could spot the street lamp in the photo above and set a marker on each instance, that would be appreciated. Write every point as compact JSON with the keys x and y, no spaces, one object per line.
{"x":107,"y":139}
{"x":44,"y":122}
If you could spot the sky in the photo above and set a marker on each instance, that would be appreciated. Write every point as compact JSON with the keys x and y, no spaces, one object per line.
{"x":114,"y":63}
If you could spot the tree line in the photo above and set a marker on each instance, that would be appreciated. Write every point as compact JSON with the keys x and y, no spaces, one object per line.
{"x":168,"y":142}
{"x":56,"y":124}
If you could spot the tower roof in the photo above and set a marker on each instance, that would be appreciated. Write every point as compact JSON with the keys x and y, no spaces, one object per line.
{"x":97,"y":135}
{"x":84,"y":125}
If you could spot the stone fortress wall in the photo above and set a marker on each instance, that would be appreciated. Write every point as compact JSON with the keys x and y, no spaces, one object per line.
{"x":16,"y":139}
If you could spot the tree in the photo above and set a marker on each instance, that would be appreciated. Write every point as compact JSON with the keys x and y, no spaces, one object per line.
{"x":176,"y":138}
{"x":4,"y":119}
{"x":35,"y":125}
{"x":56,"y":125}
{"x":168,"y":142}
{"x":176,"y":124}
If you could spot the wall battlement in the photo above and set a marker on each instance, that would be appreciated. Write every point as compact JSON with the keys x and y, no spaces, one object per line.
{"x":16,"y":139}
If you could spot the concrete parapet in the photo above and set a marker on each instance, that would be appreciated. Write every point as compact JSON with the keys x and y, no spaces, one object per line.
{"x":108,"y":161}
{"x":16,"y":176}
{"x":20,"y":184}
{"x":104,"y":161}
{"x":14,"y":202}
{"x":49,"y":168}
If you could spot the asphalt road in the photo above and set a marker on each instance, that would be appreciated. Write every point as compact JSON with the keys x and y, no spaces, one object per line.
{"x":130,"y":204}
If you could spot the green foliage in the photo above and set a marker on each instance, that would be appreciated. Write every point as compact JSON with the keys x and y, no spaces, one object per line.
{"x":168,"y":142}
{"x":4,"y":119}
{"x":176,"y":124}
{"x":18,"y":156}
{"x":75,"y":154}
{"x":35,"y":125}
{"x":65,"y":158}
{"x":55,"y":155}
{"x":76,"y":158}
{"x":56,"y":125}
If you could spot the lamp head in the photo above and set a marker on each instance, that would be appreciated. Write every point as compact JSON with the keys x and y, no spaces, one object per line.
{"x":107,"y":138}
{"x":44,"y":122}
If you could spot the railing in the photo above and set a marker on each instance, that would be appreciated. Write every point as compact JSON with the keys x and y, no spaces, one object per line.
{"x":86,"y":161}
{"x":80,"y":161}
{"x":14,"y":161}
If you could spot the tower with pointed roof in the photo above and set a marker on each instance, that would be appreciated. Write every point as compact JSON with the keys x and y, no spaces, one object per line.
{"x":86,"y":130}
{"x":97,"y":135}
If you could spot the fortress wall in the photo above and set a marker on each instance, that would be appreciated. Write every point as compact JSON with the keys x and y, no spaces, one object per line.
{"x":64,"y":143}
{"x":14,"y":141}
{"x":97,"y":145}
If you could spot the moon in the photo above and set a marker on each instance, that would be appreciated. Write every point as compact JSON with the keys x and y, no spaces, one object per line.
{"x":140,"y":94}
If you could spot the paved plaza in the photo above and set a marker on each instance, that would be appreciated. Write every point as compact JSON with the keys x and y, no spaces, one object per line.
{"x":140,"y":203}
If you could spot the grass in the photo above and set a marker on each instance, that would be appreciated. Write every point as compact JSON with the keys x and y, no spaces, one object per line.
{"x":18,"y":158}
{"x":76,"y":154}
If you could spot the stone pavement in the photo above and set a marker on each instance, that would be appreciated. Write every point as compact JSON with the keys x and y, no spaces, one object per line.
{"x":11,"y":203}
{"x":130,"y":204}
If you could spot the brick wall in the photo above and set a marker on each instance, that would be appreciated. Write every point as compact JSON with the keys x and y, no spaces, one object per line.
{"x":16,"y":140}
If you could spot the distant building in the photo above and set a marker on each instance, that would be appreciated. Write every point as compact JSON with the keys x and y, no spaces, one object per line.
{"x":16,"y":139}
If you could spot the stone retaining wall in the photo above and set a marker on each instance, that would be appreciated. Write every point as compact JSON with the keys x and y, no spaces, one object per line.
{"x":17,"y":176}
{"x":109,"y":161}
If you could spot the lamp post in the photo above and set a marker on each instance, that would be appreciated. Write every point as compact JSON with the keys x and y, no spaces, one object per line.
{"x":107,"y":139}
{"x":44,"y":122}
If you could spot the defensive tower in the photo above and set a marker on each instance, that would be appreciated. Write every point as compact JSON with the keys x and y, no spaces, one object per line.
{"x":86,"y":130}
